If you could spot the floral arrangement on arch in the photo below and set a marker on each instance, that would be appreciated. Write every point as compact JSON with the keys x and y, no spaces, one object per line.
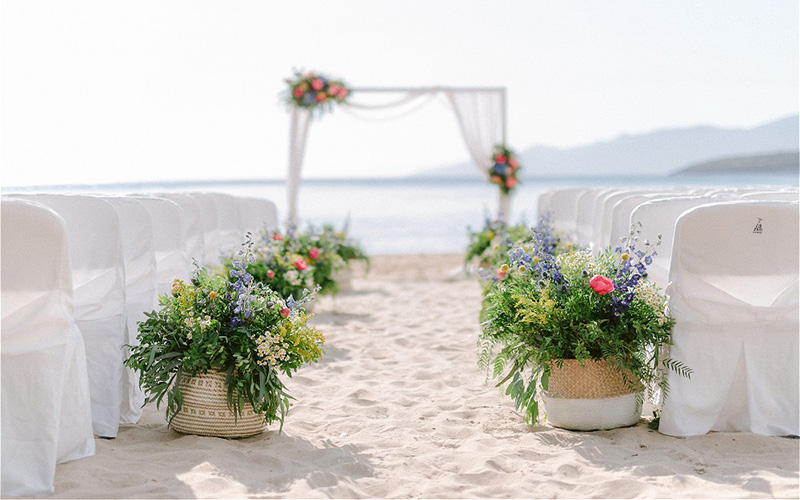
{"x":240,"y":327}
{"x":314,"y":91}
{"x":543,"y":308}
{"x":504,"y":170}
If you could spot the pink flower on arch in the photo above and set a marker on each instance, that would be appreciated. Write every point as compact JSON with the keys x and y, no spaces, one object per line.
{"x":300,"y":264}
{"x":314,"y":253}
{"x":601,"y":284}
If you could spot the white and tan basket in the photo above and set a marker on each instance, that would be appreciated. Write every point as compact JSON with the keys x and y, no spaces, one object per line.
{"x":590,"y":397}
{"x":205,"y":409}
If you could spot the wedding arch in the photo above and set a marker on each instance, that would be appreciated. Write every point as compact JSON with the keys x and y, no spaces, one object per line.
{"x":480,"y":113}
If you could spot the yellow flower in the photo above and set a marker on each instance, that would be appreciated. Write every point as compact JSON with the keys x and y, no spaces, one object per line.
{"x":625,"y":257}
{"x":535,"y":259}
{"x":504,"y":268}
{"x":213,"y":295}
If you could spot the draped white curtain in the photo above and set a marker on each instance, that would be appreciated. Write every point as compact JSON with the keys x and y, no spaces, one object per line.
{"x":480,"y":114}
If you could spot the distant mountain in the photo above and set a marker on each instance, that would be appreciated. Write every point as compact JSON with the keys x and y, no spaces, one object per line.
{"x":779,"y":162}
{"x":657,"y":153}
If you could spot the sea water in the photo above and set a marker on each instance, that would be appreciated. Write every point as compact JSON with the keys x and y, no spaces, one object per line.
{"x":411,"y":215}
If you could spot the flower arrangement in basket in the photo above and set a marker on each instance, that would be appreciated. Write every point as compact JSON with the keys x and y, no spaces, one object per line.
{"x":547,"y":313}
{"x":489,"y":247}
{"x":504,"y":170}
{"x":235,"y":337}
{"x":314,"y":91}
{"x":295,"y":261}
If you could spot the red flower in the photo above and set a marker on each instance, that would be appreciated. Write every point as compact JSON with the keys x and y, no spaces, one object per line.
{"x":500,"y":159}
{"x":601,"y":284}
{"x":277,"y":236}
{"x":511,"y":182}
{"x":270,"y":273}
{"x":317,"y":84}
{"x":298,"y":92}
{"x":300,"y":264}
{"x":314,"y":253}
{"x":285,"y":312}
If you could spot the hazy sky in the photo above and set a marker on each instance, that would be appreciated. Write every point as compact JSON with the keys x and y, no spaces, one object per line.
{"x":109,"y":91}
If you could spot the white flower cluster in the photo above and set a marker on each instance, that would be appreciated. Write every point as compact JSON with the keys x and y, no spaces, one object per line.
{"x":271,"y":349}
{"x":647,"y":292}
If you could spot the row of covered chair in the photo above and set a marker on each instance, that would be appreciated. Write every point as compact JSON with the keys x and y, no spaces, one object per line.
{"x":79,"y":272}
{"x":729,"y":265}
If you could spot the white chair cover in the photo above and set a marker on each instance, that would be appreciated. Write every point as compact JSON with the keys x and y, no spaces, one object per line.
{"x":229,"y":224}
{"x":564,"y":207}
{"x":543,"y":202}
{"x":734,"y":296}
{"x":192,"y":224}
{"x":98,"y":279}
{"x":172,"y":262}
{"x":659,"y":216}
{"x":620,"y":220}
{"x":221,"y":224}
{"x":136,"y":228}
{"x":46,"y":408}
{"x":585,"y":214}
{"x":257,"y":214}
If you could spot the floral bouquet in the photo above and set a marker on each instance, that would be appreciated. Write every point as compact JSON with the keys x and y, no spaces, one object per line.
{"x":504,"y":171}
{"x":241,"y":328}
{"x":545,"y":308}
{"x":314,"y":91}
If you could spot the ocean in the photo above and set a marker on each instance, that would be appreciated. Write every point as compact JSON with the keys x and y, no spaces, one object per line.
{"x":410,"y":215}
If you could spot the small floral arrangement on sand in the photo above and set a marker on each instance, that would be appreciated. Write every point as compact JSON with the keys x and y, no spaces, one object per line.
{"x":545,"y":308}
{"x":240,"y":327}
{"x":295,"y":262}
{"x":314,"y":91}
{"x":504,"y":170}
{"x":489,"y":247}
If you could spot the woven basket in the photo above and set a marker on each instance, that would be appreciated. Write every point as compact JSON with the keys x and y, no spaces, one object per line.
{"x":594,"y":380}
{"x":205,"y":409}
{"x":590,"y":397}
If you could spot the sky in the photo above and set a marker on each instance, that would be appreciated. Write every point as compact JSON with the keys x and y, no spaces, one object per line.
{"x":107,"y":91}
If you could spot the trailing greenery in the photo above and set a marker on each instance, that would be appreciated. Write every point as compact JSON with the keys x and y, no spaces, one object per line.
{"x":542,"y":308}
{"x":240,"y":327}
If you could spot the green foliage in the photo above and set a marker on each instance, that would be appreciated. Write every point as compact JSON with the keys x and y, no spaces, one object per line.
{"x":240,"y":327}
{"x":542,"y":308}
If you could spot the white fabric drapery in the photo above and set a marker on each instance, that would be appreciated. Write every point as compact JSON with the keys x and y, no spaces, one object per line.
{"x":480,"y":113}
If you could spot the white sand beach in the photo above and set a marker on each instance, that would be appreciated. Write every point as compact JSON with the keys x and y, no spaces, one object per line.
{"x":398,"y":408}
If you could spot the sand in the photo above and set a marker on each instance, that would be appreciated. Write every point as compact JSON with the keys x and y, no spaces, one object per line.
{"x":397,"y":408}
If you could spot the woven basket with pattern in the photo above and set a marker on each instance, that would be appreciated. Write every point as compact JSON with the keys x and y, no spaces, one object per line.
{"x":205,"y":409}
{"x":596,"y":379}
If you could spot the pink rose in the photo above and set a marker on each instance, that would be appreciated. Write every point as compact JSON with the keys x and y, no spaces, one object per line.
{"x":342,"y":93}
{"x":300,"y":264}
{"x":317,"y":84}
{"x":285,"y":312}
{"x":601,"y":284}
{"x":511,"y":182}
{"x":298,"y":92}
{"x":270,"y":273}
{"x":277,"y":236}
{"x":314,"y":253}
{"x":333,"y":89}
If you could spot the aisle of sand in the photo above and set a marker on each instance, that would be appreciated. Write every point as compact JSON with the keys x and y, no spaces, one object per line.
{"x":397,"y":408}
